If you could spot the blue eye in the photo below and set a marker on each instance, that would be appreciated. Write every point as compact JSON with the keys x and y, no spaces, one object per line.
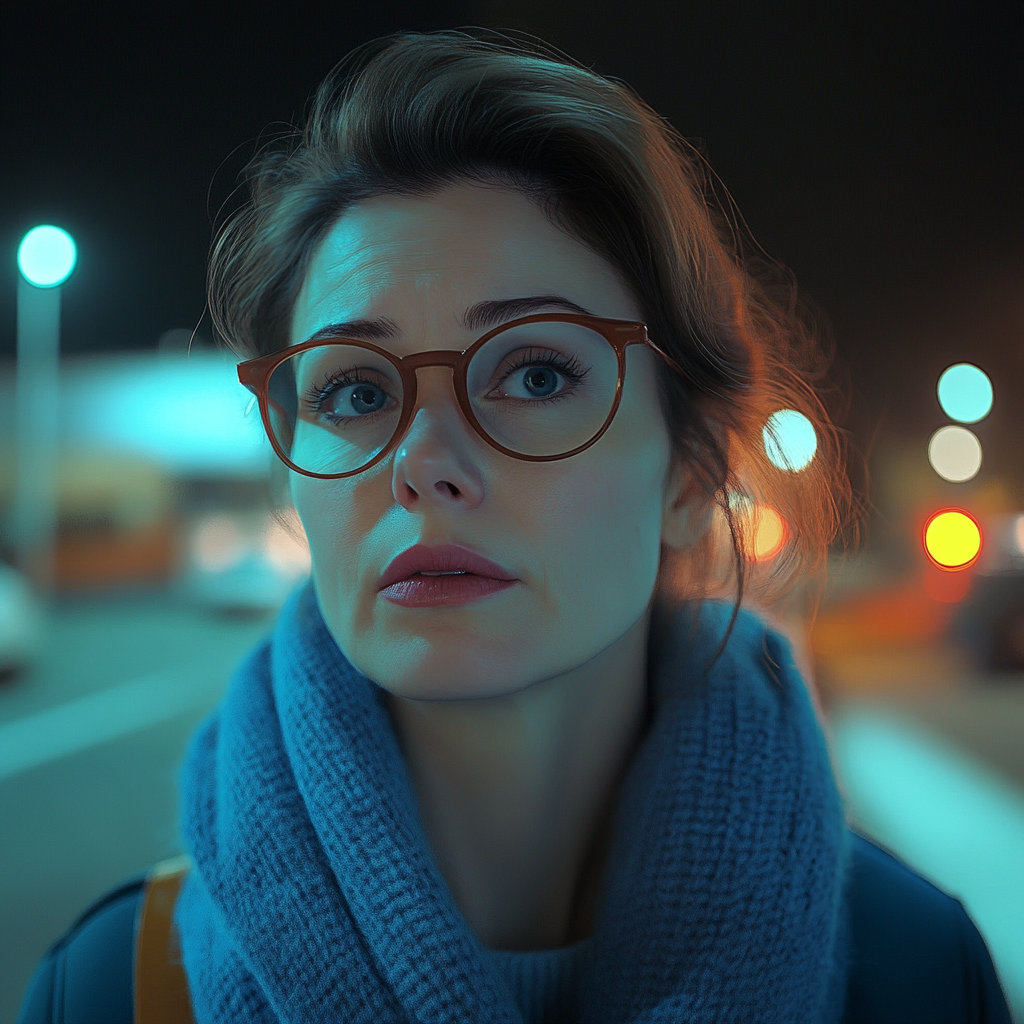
{"x":343,"y":399}
{"x":540,"y":381}
{"x":539,"y":374}
{"x":361,"y":398}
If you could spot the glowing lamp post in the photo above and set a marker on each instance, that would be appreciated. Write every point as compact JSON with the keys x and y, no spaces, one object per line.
{"x":46,"y":257}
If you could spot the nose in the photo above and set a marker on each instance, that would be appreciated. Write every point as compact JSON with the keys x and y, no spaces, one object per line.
{"x":435,"y":463}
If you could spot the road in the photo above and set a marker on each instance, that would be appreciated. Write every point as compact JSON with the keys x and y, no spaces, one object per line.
{"x":90,"y":741}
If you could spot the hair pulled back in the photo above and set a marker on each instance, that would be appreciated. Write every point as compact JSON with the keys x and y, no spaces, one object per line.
{"x":415,"y":112}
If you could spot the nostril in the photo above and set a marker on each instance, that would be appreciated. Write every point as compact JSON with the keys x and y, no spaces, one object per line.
{"x":443,"y":485}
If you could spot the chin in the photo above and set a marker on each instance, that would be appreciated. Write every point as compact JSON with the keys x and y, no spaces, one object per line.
{"x":464,"y":653}
{"x":454,"y":674}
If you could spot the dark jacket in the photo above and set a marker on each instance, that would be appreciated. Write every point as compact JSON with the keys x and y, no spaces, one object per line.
{"x":915,"y":956}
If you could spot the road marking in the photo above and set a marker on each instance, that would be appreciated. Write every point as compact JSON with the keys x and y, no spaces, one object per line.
{"x":109,"y":714}
{"x":947,"y":815}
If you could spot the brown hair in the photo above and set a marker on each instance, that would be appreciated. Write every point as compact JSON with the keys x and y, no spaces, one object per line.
{"x":414,"y":112}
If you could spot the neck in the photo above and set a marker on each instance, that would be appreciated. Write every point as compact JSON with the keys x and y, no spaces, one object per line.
{"x":516,"y":792}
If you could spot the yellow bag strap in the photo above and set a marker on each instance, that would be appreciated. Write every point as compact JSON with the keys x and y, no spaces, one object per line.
{"x":161,"y":988}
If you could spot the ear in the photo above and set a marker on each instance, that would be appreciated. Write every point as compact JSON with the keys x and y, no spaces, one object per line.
{"x":686,"y":508}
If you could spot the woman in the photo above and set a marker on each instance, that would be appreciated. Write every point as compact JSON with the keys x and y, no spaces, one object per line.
{"x":490,"y":767}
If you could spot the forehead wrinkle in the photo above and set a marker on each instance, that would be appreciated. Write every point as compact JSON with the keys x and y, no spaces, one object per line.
{"x":341,"y":293}
{"x":361,"y":264}
{"x":355,"y":267}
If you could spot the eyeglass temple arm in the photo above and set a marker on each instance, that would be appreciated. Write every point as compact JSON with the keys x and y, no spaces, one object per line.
{"x":248,"y":380}
{"x":672,"y":364}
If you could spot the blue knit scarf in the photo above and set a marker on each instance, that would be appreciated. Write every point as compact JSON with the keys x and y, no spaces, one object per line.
{"x":315,"y":896}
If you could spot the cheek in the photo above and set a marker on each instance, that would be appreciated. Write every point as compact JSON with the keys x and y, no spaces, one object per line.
{"x":338,"y":516}
{"x":620,"y":508}
{"x":599,"y":524}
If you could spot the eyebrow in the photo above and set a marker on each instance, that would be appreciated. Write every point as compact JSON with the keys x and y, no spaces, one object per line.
{"x":498,"y":311}
{"x":477,"y":318}
{"x":358,"y":330}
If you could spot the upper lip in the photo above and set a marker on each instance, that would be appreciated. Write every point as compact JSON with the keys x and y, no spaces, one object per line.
{"x":442,"y":558}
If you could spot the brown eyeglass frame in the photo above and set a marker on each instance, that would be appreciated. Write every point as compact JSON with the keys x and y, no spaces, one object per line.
{"x":255,"y":374}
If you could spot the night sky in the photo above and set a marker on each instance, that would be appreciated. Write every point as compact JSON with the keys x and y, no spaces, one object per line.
{"x":879,"y":155}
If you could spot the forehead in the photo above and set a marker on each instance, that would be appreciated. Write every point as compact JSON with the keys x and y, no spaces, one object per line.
{"x":422,"y":261}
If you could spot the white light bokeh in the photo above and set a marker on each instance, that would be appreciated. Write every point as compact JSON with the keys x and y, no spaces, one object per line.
{"x":218,"y":543}
{"x":955,"y":454}
{"x":1018,"y":534}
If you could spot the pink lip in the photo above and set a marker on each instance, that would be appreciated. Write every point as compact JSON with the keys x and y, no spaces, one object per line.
{"x":407,"y":581}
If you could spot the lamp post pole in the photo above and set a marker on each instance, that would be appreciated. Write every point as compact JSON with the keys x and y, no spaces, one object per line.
{"x":46,"y":258}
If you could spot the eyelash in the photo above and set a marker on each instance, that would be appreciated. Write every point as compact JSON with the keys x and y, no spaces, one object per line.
{"x":317,"y":395}
{"x":571,"y":369}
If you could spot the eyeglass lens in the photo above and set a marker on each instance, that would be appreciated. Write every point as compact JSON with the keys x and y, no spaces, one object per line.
{"x":538,"y":389}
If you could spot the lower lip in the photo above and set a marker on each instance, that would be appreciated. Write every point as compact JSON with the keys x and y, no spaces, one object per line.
{"x":429,"y":591}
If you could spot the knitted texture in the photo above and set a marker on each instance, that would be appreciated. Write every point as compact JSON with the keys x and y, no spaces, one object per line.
{"x":315,"y":897}
{"x":543,"y":982}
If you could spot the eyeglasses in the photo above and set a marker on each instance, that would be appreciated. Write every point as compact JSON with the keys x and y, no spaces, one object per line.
{"x":539,"y":388}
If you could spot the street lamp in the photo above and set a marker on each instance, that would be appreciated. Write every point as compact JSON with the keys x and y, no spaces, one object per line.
{"x":46,"y":258}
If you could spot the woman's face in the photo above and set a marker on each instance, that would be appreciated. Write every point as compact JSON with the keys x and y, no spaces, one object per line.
{"x":580,"y":538}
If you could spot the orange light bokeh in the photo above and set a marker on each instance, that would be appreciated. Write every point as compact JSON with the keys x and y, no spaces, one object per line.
{"x":769,"y":533}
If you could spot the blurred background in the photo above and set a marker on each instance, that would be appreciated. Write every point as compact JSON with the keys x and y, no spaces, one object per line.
{"x":879,"y":156}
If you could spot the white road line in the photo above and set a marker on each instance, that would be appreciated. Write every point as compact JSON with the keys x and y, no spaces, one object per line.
{"x":88,"y":721}
{"x":949,"y":816}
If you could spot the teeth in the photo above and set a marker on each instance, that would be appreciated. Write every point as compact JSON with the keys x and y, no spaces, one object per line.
{"x":447,"y":572}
